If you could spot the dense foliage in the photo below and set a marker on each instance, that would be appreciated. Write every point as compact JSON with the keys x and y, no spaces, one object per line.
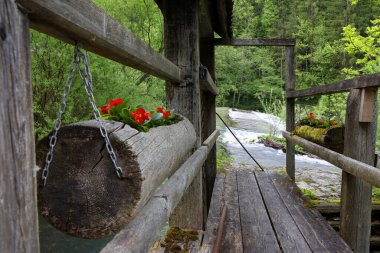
{"x":335,"y":40}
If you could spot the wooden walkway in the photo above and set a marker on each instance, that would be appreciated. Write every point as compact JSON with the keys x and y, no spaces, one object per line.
{"x":267,"y":213}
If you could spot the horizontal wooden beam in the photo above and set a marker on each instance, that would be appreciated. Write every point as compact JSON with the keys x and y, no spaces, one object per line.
{"x":255,"y":42}
{"x":139,"y":235}
{"x":210,"y":141}
{"x":372,"y":80}
{"x":83,"y":22}
{"x":347,"y":164}
{"x":206,"y":81}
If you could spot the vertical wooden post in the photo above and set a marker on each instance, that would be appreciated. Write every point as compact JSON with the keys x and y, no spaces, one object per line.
{"x":18,"y":203}
{"x":290,"y":85}
{"x":207,"y":56}
{"x":359,"y":143}
{"x":182,"y":48}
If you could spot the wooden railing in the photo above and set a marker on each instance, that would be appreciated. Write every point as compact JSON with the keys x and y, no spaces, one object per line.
{"x":358,"y":159}
{"x":84,"y":23}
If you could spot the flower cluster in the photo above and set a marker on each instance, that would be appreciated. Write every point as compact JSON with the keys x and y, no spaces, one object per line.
{"x":138,"y":117}
{"x":311,"y":120}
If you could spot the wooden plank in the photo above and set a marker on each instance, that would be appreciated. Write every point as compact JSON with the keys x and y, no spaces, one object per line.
{"x":208,"y":115}
{"x":366,"y":81}
{"x":207,"y":83}
{"x":210,"y":141}
{"x":138,"y":235}
{"x":288,"y":233}
{"x":181,"y":27}
{"x":320,"y":236}
{"x":18,"y":201}
{"x":290,"y":114}
{"x":367,"y":104}
{"x":359,"y":144}
{"x":214,"y":214}
{"x":232,"y":240}
{"x":97,"y":32}
{"x":255,"y":42}
{"x":347,"y":164}
{"x":257,"y":232}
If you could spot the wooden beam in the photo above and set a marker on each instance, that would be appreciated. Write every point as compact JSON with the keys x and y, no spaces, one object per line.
{"x":139,"y":235}
{"x":208,"y":111}
{"x":18,"y":198}
{"x":367,"y":105}
{"x":359,"y":144}
{"x":290,"y":114}
{"x":343,"y":86}
{"x":207,"y":83}
{"x":347,"y":164}
{"x":210,"y":141}
{"x":254,"y":42}
{"x":181,"y":27}
{"x":84,"y":22}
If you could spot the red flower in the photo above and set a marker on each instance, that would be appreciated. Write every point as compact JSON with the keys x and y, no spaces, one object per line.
{"x":140,"y":116}
{"x":105,"y":109}
{"x":320,"y":121}
{"x":315,"y":121}
{"x":166,"y":114}
{"x":115,"y":102}
{"x":311,"y":115}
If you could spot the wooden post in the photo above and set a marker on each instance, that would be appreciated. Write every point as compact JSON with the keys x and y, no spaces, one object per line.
{"x":18,"y":203}
{"x":182,"y":48}
{"x":290,"y":85}
{"x":359,"y":143}
{"x":207,"y":55}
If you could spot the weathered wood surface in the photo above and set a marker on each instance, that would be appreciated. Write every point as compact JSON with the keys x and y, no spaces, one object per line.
{"x":331,"y":138}
{"x":320,"y":236}
{"x":138,"y":235}
{"x":208,"y":124}
{"x":214,"y":214}
{"x":258,"y":234}
{"x":181,"y":28}
{"x":290,"y":114}
{"x":18,"y":204}
{"x":97,"y":32}
{"x":287,"y":231}
{"x":272,"y":215}
{"x":347,"y":164}
{"x":372,"y":80}
{"x":367,"y":104}
{"x":254,"y":42}
{"x":83,"y":195}
{"x":359,"y":144}
{"x":207,"y":83}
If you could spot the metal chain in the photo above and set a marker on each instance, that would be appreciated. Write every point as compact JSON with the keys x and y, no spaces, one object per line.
{"x":86,"y":76}
{"x":58,"y":121}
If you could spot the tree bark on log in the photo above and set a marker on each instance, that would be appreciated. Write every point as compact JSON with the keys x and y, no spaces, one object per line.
{"x":83,"y":195}
{"x":331,"y":138}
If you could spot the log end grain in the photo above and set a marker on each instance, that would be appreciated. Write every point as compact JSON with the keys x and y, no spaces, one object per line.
{"x":83,"y":195}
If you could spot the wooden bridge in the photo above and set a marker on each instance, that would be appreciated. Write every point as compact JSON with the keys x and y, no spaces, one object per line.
{"x":265,"y":212}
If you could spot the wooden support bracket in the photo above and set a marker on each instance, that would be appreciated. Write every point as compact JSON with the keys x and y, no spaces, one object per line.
{"x":367,"y":105}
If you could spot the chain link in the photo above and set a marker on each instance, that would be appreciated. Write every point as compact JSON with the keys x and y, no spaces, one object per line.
{"x":86,"y":76}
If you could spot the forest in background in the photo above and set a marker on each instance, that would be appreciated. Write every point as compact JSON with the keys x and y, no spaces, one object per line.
{"x":336,"y":40}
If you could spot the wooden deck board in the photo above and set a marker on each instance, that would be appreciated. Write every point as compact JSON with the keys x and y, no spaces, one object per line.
{"x":288,"y":233}
{"x":320,"y":236}
{"x":266,"y":213}
{"x":232,"y":238}
{"x":257,"y":232}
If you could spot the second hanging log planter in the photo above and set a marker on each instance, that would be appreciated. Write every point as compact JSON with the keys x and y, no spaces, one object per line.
{"x":331,"y":137}
{"x":83,"y":195}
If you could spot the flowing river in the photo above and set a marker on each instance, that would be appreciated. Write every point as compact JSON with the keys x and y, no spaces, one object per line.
{"x":316,"y":175}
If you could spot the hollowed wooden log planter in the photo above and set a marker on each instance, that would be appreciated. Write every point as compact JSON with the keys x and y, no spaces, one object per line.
{"x":83,"y":195}
{"x":331,"y":138}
